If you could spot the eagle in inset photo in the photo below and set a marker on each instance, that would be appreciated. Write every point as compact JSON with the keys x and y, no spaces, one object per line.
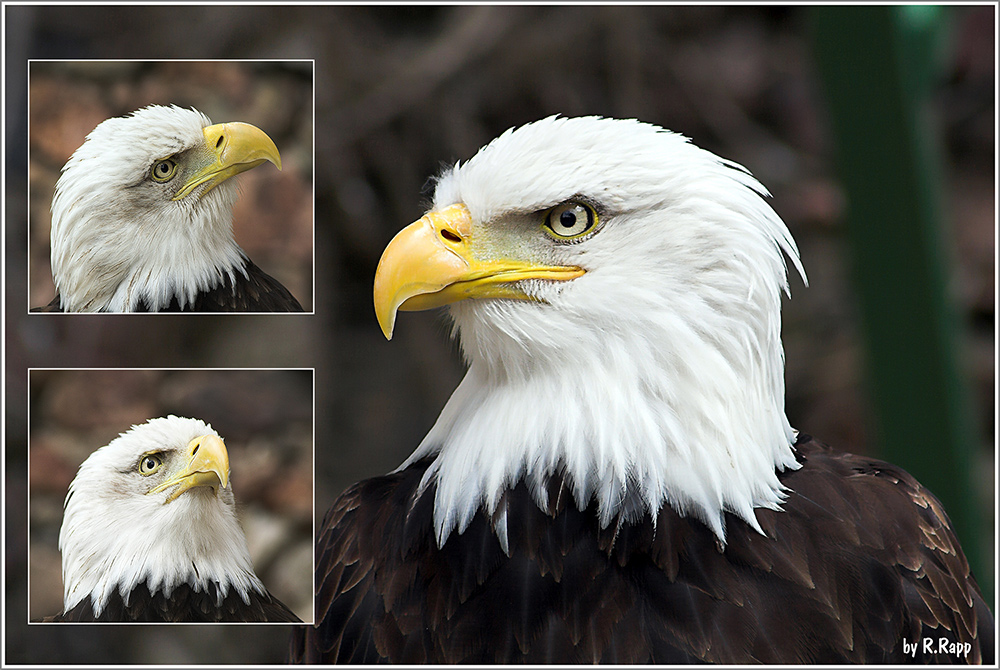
{"x":150,"y":533}
{"x":615,"y":479}
{"x":142,"y":218}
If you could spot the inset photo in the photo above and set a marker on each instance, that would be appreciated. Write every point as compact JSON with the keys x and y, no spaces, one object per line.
{"x":170,"y":496}
{"x":171,"y":186}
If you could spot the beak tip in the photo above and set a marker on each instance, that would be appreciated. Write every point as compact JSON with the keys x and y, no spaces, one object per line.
{"x":385,"y":305}
{"x":387,"y":324}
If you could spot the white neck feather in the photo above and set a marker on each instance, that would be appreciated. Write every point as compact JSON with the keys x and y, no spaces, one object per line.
{"x":630,"y":422}
{"x":109,"y":256}
{"x":107,"y":546}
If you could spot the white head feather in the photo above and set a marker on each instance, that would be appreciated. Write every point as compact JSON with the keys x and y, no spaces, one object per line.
{"x":118,"y":239}
{"x":114,"y":536}
{"x":656,"y":377}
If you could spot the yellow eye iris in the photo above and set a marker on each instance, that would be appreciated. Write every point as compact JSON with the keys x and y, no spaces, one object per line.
{"x":163,"y":170}
{"x":149,"y":464}
{"x":570,"y":220}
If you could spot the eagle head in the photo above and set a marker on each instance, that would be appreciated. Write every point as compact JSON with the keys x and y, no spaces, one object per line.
{"x":154,"y":506}
{"x":142,"y":211}
{"x":616,"y":292}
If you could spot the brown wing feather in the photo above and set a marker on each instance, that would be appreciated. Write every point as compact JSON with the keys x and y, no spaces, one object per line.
{"x":184,"y":604}
{"x":255,"y":292}
{"x":860,"y":559}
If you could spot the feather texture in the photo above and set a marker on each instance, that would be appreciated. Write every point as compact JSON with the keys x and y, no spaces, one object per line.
{"x":182,"y":604}
{"x":248,"y":289}
{"x":860,"y":559}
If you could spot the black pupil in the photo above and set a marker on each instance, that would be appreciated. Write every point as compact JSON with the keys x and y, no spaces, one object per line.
{"x":150,"y":463}
{"x":163,"y":168}
{"x":567,"y":219}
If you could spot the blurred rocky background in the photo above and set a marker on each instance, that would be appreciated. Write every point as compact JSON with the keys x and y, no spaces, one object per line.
{"x":265,"y":418}
{"x":401,"y":91}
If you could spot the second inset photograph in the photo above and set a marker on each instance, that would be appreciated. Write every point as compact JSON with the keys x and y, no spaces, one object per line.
{"x":170,"y":496}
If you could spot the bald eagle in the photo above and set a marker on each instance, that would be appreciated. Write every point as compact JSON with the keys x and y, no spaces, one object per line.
{"x":150,"y":533}
{"x":615,"y":480}
{"x":142,"y":218}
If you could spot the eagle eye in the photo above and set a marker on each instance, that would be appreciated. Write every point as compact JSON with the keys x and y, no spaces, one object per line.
{"x":163,"y":170}
{"x":149,"y":464}
{"x":570,"y":220}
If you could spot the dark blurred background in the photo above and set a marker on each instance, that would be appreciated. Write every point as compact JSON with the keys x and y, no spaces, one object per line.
{"x":402,"y":90}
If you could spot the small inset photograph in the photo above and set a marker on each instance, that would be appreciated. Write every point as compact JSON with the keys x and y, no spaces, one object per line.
{"x":170,"y":496}
{"x":170,"y":186}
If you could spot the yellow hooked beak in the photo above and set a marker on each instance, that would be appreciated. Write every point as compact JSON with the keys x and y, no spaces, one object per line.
{"x":436,"y":261}
{"x":229,"y":149}
{"x":207,"y":465}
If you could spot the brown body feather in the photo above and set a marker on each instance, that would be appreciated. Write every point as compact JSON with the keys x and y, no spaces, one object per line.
{"x":861,"y":559}
{"x":184,"y":604}
{"x":256,"y":292}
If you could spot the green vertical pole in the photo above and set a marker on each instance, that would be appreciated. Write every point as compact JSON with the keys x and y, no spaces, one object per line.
{"x":877,"y":65}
